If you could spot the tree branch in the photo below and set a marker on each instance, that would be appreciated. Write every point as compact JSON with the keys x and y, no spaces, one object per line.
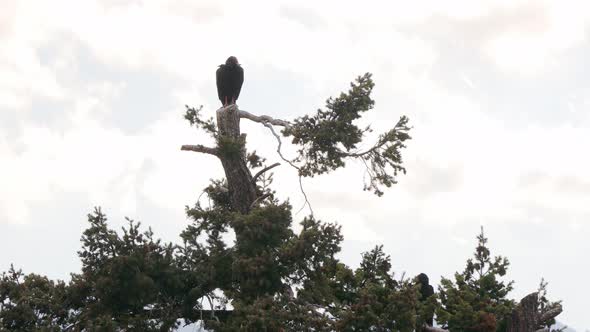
{"x":398,"y":127}
{"x":551,"y":313}
{"x":264,"y":119}
{"x":200,"y":148}
{"x":260,"y":199}
{"x":272,"y":130}
{"x":255,"y":177}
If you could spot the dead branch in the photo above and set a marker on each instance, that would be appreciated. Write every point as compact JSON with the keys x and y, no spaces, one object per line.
{"x":260,"y":199}
{"x":304,"y":196}
{"x":551,"y":313}
{"x":255,"y":177}
{"x":272,"y":130}
{"x":264,"y":119}
{"x":200,"y":148}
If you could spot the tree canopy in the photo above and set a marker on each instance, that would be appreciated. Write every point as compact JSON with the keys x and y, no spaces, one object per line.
{"x":239,"y":264}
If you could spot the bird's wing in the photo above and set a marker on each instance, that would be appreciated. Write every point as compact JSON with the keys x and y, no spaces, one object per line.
{"x":239,"y":80}
{"x":218,"y":81}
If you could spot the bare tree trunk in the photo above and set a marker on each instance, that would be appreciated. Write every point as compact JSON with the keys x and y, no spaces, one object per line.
{"x":240,"y":183}
{"x":527,"y":316}
{"x":231,"y":151}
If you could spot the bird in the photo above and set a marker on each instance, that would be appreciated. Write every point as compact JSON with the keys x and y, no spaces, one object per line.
{"x":229,"y":78}
{"x":426,"y":291}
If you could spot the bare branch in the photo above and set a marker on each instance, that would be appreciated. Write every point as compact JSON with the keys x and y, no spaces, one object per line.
{"x":255,"y":177}
{"x":264,"y":119}
{"x":272,"y":130}
{"x":304,"y":196}
{"x":260,"y":199}
{"x":200,"y":148}
{"x":551,"y":313}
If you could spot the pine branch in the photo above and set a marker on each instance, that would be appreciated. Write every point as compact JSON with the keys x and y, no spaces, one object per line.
{"x":400,"y":126}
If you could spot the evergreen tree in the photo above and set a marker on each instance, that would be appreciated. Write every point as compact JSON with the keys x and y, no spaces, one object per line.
{"x":476,"y":301}
{"x":269,"y":278}
{"x":32,"y":303}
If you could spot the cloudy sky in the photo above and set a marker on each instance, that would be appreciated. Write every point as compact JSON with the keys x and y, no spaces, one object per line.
{"x":92,"y":95}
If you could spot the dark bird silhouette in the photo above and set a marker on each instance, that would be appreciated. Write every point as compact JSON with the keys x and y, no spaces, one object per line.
{"x":426,"y":291}
{"x":229,"y":77}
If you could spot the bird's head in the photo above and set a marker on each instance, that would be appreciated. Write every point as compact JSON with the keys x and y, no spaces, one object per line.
{"x":423,"y":278}
{"x":232,"y":61}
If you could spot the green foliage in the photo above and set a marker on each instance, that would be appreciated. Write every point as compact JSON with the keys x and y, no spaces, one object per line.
{"x":477,"y":301}
{"x":230,"y":147}
{"x":266,"y":262}
{"x":32,"y":302}
{"x":127,"y":281}
{"x":329,"y":137}
{"x":130,"y":281}
{"x":320,"y":135}
{"x":252,"y":271}
{"x":370,"y":299}
{"x":275,"y":313}
{"x":192,"y":115}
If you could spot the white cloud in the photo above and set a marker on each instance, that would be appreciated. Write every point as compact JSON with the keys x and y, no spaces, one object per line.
{"x":466,"y":165}
{"x":533,"y":51}
{"x":24,"y":77}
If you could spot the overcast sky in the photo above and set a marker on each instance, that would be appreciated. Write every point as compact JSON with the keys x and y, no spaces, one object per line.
{"x":92,"y":95}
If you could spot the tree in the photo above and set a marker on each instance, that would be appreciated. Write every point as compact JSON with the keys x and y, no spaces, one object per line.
{"x":270,"y":278}
{"x":31,"y":302}
{"x":373,"y":300}
{"x":326,"y":140}
{"x":268,"y":262}
{"x":477,"y":301}
{"x":535,"y":312}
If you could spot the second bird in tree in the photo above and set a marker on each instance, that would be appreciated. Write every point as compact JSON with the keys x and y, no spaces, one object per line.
{"x":229,"y":78}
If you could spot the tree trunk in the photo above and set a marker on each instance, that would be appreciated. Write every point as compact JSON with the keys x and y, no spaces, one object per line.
{"x":241,"y":186}
{"x":527,"y":316}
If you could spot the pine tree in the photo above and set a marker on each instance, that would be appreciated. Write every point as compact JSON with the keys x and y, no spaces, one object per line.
{"x":476,"y":301}
{"x":274,"y":278}
{"x":269,"y":278}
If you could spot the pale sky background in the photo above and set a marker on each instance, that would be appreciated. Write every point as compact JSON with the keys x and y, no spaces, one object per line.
{"x":92,"y":95}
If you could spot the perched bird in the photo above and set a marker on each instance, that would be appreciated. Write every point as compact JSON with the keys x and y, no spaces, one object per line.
{"x":426,"y":291}
{"x":229,"y":77}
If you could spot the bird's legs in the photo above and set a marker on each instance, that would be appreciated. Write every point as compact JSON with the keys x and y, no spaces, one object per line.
{"x":228,"y":101}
